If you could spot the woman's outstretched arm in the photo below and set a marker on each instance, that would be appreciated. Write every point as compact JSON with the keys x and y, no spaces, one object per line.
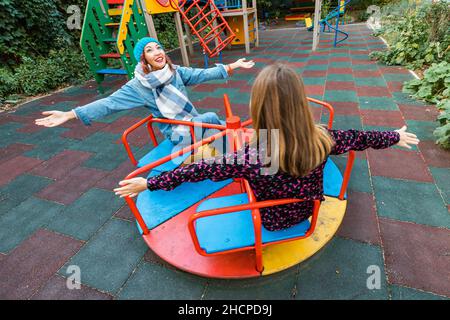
{"x":123,"y":99}
{"x":193,"y":76}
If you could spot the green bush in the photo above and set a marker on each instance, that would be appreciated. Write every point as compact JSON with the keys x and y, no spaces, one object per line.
{"x":435,"y":88}
{"x":167,"y":32}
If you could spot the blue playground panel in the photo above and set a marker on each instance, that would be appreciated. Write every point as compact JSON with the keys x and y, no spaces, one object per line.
{"x":161,"y":150}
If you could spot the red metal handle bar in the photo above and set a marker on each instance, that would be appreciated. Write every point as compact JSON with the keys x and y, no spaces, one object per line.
{"x":131,"y":129}
{"x":347,"y":174}
{"x":326,"y":105}
{"x":190,"y":123}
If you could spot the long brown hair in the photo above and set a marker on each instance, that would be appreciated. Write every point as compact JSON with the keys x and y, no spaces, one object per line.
{"x":147,"y":69}
{"x":278,"y":101}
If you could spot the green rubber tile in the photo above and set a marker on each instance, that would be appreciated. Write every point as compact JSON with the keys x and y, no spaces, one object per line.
{"x":9,"y":135}
{"x":338,"y":54}
{"x":112,"y":117}
{"x":110,"y":257}
{"x":274,"y":287}
{"x":316,"y":67}
{"x":314,"y":80}
{"x":410,"y":201}
{"x":46,"y":135}
{"x":107,"y":154}
{"x":405,"y":293}
{"x":339,"y":77}
{"x":344,"y":268}
{"x":344,"y":122}
{"x":49,"y":148}
{"x":340,"y":64}
{"x":397,"y":77}
{"x":359,"y":180}
{"x":20,"y":189}
{"x":166,"y":284}
{"x":377,"y":103}
{"x":379,"y":82}
{"x":442,"y":178}
{"x":403,"y":98}
{"x":366,"y":67}
{"x":87,"y":214}
{"x":341,"y":95}
{"x":23,"y":220}
{"x":423,"y":129}
{"x":357,"y":56}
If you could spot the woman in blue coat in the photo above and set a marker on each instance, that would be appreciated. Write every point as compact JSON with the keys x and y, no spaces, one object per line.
{"x":158,"y":85}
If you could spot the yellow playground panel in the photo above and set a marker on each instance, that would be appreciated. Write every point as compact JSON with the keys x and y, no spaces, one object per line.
{"x":236,"y":24}
{"x":159,"y":6}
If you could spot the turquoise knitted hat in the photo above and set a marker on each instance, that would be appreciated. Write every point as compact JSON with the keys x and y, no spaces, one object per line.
{"x":139,"y":48}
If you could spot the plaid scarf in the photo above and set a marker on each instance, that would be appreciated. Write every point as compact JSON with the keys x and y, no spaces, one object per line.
{"x":171,"y":102}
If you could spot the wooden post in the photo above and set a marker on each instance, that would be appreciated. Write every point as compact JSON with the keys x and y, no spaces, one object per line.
{"x":189,"y":39}
{"x":316,"y":25}
{"x":148,"y":21}
{"x":256,"y":23}
{"x":179,"y":27}
{"x":245,"y":18}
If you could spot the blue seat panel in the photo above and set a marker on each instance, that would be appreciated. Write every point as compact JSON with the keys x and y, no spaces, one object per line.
{"x":235,"y":230}
{"x":161,"y":150}
{"x":332,"y":179}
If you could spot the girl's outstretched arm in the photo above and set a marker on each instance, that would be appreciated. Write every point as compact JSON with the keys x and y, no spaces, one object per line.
{"x":346,"y":140}
{"x":193,"y":76}
{"x":230,"y":165}
{"x":123,"y":99}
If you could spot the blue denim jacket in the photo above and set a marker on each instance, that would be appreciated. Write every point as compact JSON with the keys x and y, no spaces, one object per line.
{"x":133,"y":94}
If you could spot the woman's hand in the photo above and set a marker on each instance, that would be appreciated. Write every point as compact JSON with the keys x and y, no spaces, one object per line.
{"x":54,"y":118}
{"x":406,"y":138}
{"x":241,"y":63}
{"x":131,"y":187}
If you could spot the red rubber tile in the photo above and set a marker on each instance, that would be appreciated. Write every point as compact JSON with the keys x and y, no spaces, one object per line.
{"x":340,"y":70}
{"x":58,"y":166}
{"x":125,"y":213}
{"x":317,"y":62}
{"x":314,"y":73}
{"x":56,"y":289}
{"x":111,"y":180}
{"x":395,"y":86}
{"x":366,"y":74}
{"x":410,"y":112}
{"x":79,"y":131}
{"x":394,"y":69}
{"x":360,"y":222}
{"x":346,"y":108}
{"x":382,"y":118}
{"x":121,"y":124}
{"x":339,"y":59}
{"x":16,"y":166}
{"x":362,"y":62}
{"x":399,"y":164}
{"x":297,"y":64}
{"x":32,"y":264}
{"x":417,"y":255}
{"x":340,"y":85}
{"x":210,"y":102}
{"x":434,"y":155}
{"x":373,"y":91}
{"x":72,"y":186}
{"x":314,"y":90}
{"x":205,"y":87}
{"x":13,"y":150}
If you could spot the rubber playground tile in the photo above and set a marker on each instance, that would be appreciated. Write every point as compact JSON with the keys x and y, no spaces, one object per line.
{"x":313,"y":73}
{"x":360,"y":221}
{"x":346,"y":108}
{"x":341,"y":95}
{"x":152,"y":281}
{"x":111,"y":180}
{"x":87,"y":214}
{"x":398,"y":164}
{"x":359,"y":179}
{"x":72,"y":185}
{"x":110,"y":257}
{"x":372,"y":91}
{"x":364,"y":67}
{"x":345,"y":122}
{"x":10,"y":135}
{"x":314,"y":90}
{"x":14,"y":167}
{"x":343,"y":267}
{"x":340,"y":64}
{"x":382,"y":118}
{"x":421,"y":113}
{"x":423,"y":129}
{"x":367,"y":74}
{"x":340,"y":85}
{"x":278,"y":286}
{"x":56,"y":289}
{"x":78,"y":131}
{"x":23,"y":220}
{"x":395,"y":86}
{"x":377,"y":103}
{"x":39,"y":257}
{"x":442,"y":178}
{"x":347,"y":70}
{"x":59,"y":166}
{"x":339,"y":77}
{"x":314,"y":61}
{"x":316,"y":67}
{"x":125,"y":213}
{"x":417,"y":255}
{"x":403,"y":98}
{"x":405,"y":293}
{"x":48,"y":149}
{"x":434,"y":155}
{"x":13,"y":150}
{"x":314,"y":80}
{"x":397,"y":76}
{"x":410,"y":201}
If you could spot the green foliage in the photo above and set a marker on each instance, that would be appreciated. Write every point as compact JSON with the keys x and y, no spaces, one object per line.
{"x":167,"y":32}
{"x":8,"y":83}
{"x":417,"y":36}
{"x":435,"y":88}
